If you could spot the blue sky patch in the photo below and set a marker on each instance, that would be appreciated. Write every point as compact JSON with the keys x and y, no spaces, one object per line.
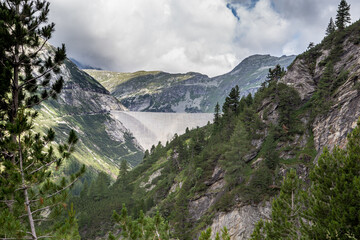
{"x":233,"y":10}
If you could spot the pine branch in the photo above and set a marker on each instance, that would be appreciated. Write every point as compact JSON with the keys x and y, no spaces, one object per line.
{"x":42,"y":220}
{"x":63,"y":189}
{"x":38,"y":102}
{"x":41,"y":47}
{"x":29,"y":166}
{"x":15,"y":238}
{"x":27,"y":82}
{"x":45,"y":208}
{"x":43,"y":166}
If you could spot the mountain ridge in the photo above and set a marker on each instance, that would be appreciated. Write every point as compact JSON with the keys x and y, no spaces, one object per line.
{"x":186,"y":92}
{"x":84,"y":105}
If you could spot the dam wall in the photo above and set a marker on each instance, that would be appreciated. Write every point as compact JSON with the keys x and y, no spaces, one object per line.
{"x":151,"y":127}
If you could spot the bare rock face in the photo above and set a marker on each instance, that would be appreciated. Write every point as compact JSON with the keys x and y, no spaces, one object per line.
{"x":241,"y":221}
{"x":299,"y":77}
{"x":332,"y":128}
{"x":200,"y":204}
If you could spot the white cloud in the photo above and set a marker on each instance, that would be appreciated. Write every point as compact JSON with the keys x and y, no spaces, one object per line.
{"x":182,"y":36}
{"x":147,"y":34}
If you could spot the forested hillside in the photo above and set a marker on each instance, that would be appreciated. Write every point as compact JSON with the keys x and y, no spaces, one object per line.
{"x":226,"y":173}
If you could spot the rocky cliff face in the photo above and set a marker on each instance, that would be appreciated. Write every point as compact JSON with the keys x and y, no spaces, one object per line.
{"x":84,"y":105}
{"x":332,"y":127}
{"x":190,"y":92}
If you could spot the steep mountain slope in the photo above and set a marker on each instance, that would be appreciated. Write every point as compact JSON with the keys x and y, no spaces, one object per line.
{"x":85,"y":106}
{"x":190,"y":92}
{"x":225,"y":174}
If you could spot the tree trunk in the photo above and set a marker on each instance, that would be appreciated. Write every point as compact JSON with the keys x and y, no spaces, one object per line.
{"x":27,"y":201}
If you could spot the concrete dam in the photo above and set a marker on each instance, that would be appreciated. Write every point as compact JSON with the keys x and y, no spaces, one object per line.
{"x":151,"y":127}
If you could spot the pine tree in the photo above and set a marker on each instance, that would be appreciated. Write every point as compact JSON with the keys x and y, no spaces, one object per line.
{"x":28,"y":196}
{"x":142,"y":228}
{"x":124,"y":169}
{"x":332,"y":202}
{"x":331,"y":27}
{"x":217,"y":116}
{"x":231,"y":104}
{"x":275,"y":74}
{"x":206,"y":234}
{"x":343,"y":15}
{"x":285,"y":215}
{"x":239,"y":146}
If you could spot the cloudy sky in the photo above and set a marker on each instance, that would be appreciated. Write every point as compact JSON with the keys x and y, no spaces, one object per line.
{"x":207,"y":36}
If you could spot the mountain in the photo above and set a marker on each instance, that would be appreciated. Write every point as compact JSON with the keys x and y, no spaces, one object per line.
{"x":189,"y":92}
{"x":84,"y":105}
{"x":227,"y":173}
{"x":83,"y":66}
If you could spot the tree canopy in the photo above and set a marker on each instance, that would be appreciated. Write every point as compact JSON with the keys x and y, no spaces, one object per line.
{"x":343,"y":15}
{"x":30,"y":199}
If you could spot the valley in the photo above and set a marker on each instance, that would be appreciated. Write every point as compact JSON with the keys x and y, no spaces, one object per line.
{"x":269,"y":150}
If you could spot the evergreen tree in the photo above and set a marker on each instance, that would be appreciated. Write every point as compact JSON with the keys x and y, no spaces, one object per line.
{"x":269,"y":151}
{"x":331,"y":27}
{"x":332,"y":201}
{"x":68,"y":230}
{"x":142,"y":228}
{"x":232,"y":102}
{"x":310,"y":46}
{"x":239,"y":145}
{"x":99,"y":188}
{"x":124,"y":169}
{"x":274,"y":75}
{"x":343,"y":15}
{"x":285,"y":214}
{"x":217,"y":116}
{"x":205,"y":235}
{"x":288,"y":101}
{"x":28,"y":196}
{"x":249,"y":100}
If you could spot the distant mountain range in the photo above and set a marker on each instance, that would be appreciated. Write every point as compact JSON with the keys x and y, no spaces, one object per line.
{"x":186,"y":92}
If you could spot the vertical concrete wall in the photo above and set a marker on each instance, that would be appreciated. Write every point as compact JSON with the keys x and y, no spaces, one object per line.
{"x":151,"y":127}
